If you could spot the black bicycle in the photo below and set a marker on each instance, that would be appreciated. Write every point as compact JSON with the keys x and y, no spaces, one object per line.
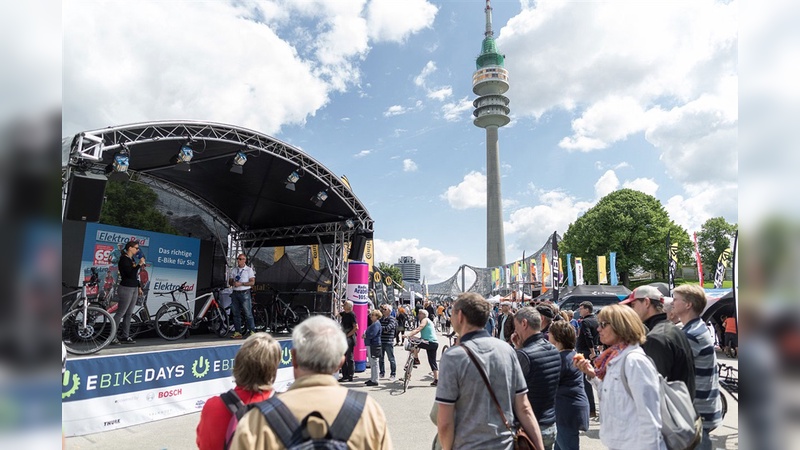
{"x":451,"y":340}
{"x":728,"y":380}
{"x":286,"y":315}
{"x":411,"y":345}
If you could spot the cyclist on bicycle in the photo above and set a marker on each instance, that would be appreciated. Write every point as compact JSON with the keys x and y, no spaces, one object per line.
{"x":429,"y":343}
{"x":241,"y":278}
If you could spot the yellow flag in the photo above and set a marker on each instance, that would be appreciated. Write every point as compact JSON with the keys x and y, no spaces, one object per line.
{"x":369,"y":255}
{"x":315,"y":256}
{"x":279,"y":251}
{"x":545,"y":272}
{"x":602,"y":273}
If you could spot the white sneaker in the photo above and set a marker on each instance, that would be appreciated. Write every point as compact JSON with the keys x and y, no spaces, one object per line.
{"x":392,"y":378}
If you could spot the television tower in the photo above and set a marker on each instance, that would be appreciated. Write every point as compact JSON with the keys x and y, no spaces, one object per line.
{"x":489,"y":83}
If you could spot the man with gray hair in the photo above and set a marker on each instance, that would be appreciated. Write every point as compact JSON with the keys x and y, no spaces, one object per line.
{"x":318,"y":348}
{"x":666,"y":344}
{"x":541,"y":365}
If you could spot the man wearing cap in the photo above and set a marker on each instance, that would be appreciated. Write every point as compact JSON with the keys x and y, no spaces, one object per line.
{"x":505,"y":323}
{"x":666,"y":344}
{"x":548,"y":315}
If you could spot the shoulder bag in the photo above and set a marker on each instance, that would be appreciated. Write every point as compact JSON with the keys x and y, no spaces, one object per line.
{"x":521,"y":439}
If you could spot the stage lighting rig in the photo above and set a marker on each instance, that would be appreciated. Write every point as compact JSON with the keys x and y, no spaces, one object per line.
{"x":118,"y":169}
{"x":184,"y":157}
{"x":320,"y":198}
{"x":291,"y":180}
{"x":238,"y":162}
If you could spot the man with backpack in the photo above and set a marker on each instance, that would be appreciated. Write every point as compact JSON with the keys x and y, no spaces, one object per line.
{"x":316,"y":407}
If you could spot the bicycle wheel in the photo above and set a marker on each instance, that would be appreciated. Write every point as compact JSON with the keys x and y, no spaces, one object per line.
{"x":724,"y":403}
{"x":409,"y":367}
{"x":219,"y":322}
{"x":172,"y":321}
{"x":299,"y":314}
{"x":260,"y":318}
{"x":137,"y":326}
{"x":99,"y":331}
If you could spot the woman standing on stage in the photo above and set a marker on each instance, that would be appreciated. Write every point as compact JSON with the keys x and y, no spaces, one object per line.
{"x":128,"y":291}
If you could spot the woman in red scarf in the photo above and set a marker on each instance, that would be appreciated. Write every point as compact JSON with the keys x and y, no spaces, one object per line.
{"x":630,"y":413}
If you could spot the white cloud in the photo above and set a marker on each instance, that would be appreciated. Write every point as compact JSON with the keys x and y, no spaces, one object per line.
{"x":607,"y":121}
{"x":362,"y":153}
{"x":470,"y":193}
{"x":394,"y":110}
{"x":454,"y":112}
{"x":409,"y":165}
{"x":209,"y":72}
{"x":429,"y":68}
{"x":602,"y":165}
{"x":434,"y":264}
{"x":532,"y":225}
{"x":702,"y":202}
{"x":646,"y":185}
{"x":606,"y":184}
{"x":390,"y":20}
{"x":345,"y":119}
{"x":441,"y":94}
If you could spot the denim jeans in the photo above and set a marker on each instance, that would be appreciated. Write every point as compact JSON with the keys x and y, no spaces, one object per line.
{"x":705,"y":443}
{"x":242,"y":302}
{"x":373,"y":355}
{"x":388,"y":349}
{"x":548,"y":436}
{"x":568,"y":438}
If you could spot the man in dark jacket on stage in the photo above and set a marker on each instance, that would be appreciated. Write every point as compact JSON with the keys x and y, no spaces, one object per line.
{"x":666,"y":344}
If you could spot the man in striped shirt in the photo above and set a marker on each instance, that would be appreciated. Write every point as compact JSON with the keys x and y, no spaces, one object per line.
{"x":689,"y":301}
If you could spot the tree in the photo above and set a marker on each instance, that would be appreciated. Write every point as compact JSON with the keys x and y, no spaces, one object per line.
{"x":392,"y":271}
{"x":132,"y":205}
{"x":714,"y":238}
{"x":631,"y":223}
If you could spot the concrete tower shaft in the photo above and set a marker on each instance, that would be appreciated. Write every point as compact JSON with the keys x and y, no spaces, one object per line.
{"x":490,"y":82}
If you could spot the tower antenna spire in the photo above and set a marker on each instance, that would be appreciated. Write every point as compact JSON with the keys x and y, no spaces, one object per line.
{"x":488,"y":11}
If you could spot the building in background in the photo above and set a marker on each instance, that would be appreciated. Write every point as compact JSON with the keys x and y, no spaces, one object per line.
{"x":409,"y":268}
{"x":489,"y":83}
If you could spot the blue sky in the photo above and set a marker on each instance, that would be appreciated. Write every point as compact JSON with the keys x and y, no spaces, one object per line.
{"x":604,"y":95}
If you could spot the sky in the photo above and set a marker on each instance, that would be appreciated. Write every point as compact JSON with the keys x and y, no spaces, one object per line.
{"x":603,"y":96}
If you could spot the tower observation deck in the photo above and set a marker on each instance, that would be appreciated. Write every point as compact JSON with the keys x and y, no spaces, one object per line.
{"x":489,"y":83}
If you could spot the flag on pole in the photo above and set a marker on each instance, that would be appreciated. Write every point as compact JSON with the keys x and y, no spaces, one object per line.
{"x":736,"y":275}
{"x":533,"y":270}
{"x":569,"y":270}
{"x":315,"y":257}
{"x":545,"y":272}
{"x":672,"y":258}
{"x":578,"y":271}
{"x":369,"y":254}
{"x":507,"y":270}
{"x":556,"y":268}
{"x":722,"y":265}
{"x":494,"y":278}
{"x":699,"y":261}
{"x":602,"y":274}
{"x":612,"y":257}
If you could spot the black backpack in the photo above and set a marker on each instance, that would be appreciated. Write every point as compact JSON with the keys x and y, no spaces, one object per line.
{"x":294,"y":435}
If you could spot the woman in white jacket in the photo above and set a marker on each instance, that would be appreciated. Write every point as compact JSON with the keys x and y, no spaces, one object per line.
{"x":630,"y":416}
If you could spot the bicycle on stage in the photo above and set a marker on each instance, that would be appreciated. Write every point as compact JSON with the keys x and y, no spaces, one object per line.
{"x":286,"y":315}
{"x":174,"y":320}
{"x":86,"y":329}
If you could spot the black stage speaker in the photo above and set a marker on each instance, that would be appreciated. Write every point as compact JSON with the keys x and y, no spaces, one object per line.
{"x":357,"y":247}
{"x":85,"y":197}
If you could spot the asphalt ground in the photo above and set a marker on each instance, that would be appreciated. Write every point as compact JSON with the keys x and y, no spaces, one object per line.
{"x":408,"y":412}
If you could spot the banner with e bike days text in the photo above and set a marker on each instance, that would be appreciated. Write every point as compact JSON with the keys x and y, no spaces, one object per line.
{"x":170,"y":261}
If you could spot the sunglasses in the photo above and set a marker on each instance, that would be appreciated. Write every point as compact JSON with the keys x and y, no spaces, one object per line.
{"x":604,"y":324}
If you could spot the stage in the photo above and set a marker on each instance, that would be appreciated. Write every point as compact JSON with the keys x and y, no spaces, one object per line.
{"x":125,"y":385}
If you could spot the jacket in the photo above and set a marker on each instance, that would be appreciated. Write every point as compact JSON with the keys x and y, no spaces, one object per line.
{"x":541,"y":365}
{"x":587,"y":335}
{"x":509,"y":324}
{"x":635,"y":417}
{"x":670,"y":350}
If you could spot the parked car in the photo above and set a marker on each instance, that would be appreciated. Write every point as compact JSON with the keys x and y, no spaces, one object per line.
{"x":599,"y":295}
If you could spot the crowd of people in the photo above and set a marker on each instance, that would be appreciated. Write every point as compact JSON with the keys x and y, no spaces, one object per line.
{"x":534,"y":367}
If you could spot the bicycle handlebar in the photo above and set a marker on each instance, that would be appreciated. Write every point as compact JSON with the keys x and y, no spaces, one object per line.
{"x":181,"y":288}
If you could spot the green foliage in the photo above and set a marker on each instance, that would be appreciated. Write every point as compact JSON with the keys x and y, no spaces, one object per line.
{"x":132,"y":205}
{"x":631,"y":223}
{"x":714,"y":237}
{"x":392,"y":271}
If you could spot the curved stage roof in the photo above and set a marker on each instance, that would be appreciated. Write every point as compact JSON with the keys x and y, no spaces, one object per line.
{"x":255,"y":203}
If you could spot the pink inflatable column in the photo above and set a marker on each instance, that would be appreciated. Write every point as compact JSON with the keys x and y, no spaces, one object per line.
{"x":357,"y":292}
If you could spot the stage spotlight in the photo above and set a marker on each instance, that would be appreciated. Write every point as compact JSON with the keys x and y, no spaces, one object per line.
{"x":238,"y":162}
{"x":320,"y":198}
{"x":291,"y":180}
{"x":118,"y":169}
{"x":350,"y":224}
{"x":183,"y":158}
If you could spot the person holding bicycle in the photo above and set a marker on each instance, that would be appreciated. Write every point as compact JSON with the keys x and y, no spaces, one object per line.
{"x":242,"y":278}
{"x":128,"y":291}
{"x":429,"y":343}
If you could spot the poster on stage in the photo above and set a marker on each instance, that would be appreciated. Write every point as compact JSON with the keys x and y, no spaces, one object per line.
{"x":170,"y":262}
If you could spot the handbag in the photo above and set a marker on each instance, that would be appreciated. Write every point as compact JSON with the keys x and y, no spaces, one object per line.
{"x":521,"y":439}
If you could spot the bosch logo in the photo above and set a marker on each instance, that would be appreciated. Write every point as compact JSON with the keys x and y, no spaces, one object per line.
{"x":170,"y":393}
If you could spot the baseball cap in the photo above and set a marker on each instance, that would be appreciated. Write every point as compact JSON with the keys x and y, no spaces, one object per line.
{"x":650,"y":292}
